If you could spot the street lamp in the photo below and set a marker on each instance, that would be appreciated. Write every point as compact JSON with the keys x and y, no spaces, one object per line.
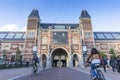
{"x":84,"y":52}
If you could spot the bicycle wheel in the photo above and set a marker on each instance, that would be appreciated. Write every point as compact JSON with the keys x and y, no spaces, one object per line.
{"x":91,"y":74}
{"x":33,"y":69}
{"x":100,"y":75}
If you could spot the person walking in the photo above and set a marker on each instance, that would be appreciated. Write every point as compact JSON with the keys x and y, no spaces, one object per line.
{"x":44,"y":64}
{"x":113,"y":63}
{"x":118,"y":64}
{"x":104,"y":63}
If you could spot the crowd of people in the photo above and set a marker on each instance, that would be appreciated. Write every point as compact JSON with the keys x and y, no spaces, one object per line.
{"x":113,"y":62}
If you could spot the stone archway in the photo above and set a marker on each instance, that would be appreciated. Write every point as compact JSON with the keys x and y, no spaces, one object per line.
{"x":75,"y":60}
{"x":59,"y":58}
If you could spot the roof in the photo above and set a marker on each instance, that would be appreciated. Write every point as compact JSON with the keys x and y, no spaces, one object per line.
{"x":84,"y":14}
{"x":107,"y":35}
{"x":34,"y":14}
{"x":59,"y":25}
{"x":12,"y":35}
{"x":97,"y":35}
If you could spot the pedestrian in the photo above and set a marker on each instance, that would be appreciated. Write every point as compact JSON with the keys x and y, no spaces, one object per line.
{"x":27,"y":63}
{"x":118,"y":64}
{"x":104,"y":63}
{"x":113,"y":63}
{"x":44,"y":64}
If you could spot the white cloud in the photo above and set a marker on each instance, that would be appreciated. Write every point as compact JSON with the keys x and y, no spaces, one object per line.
{"x":12,"y":27}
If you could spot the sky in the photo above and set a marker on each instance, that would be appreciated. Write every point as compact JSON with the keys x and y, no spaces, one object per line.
{"x":105,"y":14}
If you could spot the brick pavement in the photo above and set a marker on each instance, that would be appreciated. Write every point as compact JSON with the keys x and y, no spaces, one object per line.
{"x":109,"y":75}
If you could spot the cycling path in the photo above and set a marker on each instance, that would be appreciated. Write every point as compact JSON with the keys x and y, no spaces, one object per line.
{"x":109,"y":75}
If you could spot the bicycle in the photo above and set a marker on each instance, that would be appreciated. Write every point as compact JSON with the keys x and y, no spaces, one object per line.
{"x":99,"y":73}
{"x":35,"y":67}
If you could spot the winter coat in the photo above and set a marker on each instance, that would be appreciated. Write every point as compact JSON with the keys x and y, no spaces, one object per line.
{"x":113,"y":62}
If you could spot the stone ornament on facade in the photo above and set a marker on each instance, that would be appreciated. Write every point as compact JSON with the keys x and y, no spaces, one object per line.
{"x":104,"y":46}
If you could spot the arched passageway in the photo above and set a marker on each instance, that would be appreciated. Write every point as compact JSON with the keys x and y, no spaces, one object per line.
{"x":59,"y":58}
{"x":44,"y":58}
{"x":75,"y":60}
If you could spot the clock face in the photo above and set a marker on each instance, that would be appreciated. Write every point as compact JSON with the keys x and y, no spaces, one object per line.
{"x":60,"y":38}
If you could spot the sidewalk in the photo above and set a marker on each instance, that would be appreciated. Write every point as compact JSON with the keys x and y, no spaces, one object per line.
{"x":109,"y":75}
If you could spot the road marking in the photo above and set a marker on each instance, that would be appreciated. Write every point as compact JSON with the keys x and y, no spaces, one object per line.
{"x":19,"y":76}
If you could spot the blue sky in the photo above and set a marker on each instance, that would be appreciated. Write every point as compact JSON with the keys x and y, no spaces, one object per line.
{"x":105,"y":14}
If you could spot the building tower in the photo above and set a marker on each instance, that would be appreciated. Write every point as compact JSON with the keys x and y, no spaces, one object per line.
{"x":86,"y":30}
{"x":31,"y":33}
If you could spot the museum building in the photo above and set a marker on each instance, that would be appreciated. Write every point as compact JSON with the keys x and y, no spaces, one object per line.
{"x":59,"y":44}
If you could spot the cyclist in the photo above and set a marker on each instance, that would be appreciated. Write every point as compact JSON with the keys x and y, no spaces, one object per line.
{"x":34,"y":62}
{"x":94,"y":58}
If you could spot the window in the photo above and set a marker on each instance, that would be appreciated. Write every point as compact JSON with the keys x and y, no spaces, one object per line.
{"x":87,"y":34}
{"x":31,"y":34}
{"x":18,"y":36}
{"x":24,"y":35}
{"x":59,"y":27}
{"x":32,"y":24}
{"x":108,"y":36}
{"x":95,"y":36}
{"x":116,"y":36}
{"x":10,"y":36}
{"x":100,"y":36}
{"x":60,"y":38}
{"x":2,"y":35}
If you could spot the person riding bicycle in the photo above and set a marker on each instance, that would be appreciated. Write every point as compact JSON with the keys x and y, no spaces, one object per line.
{"x":94,"y":58}
{"x":34,"y":62}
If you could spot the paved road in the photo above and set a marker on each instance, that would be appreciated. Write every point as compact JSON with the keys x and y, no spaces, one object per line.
{"x":109,"y":75}
{"x":57,"y":74}
{"x":6,"y":74}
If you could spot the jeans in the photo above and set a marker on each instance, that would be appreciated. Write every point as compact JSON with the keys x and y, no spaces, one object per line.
{"x":113,"y":69}
{"x":104,"y":66}
{"x":93,"y":72}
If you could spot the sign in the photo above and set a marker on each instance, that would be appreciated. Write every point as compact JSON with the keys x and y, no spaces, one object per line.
{"x":84,"y":48}
{"x":34,"y":48}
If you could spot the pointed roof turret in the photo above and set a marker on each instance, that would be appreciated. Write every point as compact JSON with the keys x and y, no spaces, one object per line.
{"x":84,"y":14}
{"x":34,"y":14}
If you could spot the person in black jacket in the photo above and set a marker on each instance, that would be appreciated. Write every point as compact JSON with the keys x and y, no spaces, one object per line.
{"x":104,"y":63}
{"x":118,"y":64}
{"x":113,"y":63}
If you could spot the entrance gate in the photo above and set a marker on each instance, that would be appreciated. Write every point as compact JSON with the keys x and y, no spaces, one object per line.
{"x":59,"y":58}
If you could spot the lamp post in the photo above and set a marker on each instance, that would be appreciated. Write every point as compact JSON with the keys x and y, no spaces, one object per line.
{"x":84,"y":52}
